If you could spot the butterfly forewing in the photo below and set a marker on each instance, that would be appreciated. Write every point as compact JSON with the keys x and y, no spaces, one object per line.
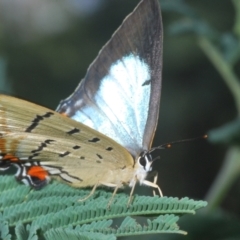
{"x":33,"y":133}
{"x":120,"y":93}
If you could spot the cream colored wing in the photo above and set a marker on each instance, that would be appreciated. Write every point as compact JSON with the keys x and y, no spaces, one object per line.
{"x":78,"y":154}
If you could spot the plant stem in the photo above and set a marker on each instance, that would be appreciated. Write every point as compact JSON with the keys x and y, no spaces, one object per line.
{"x":229,"y":172}
{"x":236,"y":27}
{"x":223,"y":68}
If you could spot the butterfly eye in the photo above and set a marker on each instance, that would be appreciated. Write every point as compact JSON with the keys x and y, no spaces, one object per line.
{"x":145,"y":158}
{"x":142,"y":162}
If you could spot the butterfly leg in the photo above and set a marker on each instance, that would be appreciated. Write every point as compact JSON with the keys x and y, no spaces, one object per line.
{"x":116,"y":187}
{"x":153,"y":184}
{"x":131,"y":193}
{"x":111,"y":199}
{"x":155,"y":178}
{"x":90,"y":194}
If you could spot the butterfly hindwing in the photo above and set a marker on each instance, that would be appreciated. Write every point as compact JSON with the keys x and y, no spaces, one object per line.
{"x":32,"y":133}
{"x":120,"y":93}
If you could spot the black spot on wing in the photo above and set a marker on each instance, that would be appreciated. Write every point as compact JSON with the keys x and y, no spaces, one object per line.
{"x":33,"y":156}
{"x":94,"y":140}
{"x":99,"y":156}
{"x":76,"y":147}
{"x":48,"y":141}
{"x":43,"y":145}
{"x":109,"y":149}
{"x":64,"y":154}
{"x":146,"y":82}
{"x":98,"y":161}
{"x":73,"y":131}
{"x":36,"y":121}
{"x":82,"y":157}
{"x":70,"y":176}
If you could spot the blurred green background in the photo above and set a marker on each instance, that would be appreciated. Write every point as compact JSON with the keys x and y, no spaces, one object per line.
{"x":47,"y":46}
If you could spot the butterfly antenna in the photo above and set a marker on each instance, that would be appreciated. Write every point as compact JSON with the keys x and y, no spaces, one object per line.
{"x":169,"y":145}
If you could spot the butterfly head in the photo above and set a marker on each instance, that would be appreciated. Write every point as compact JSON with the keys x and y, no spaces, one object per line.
{"x":145,"y":161}
{"x":143,"y":166}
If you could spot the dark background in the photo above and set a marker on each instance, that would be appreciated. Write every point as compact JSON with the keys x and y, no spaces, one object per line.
{"x":43,"y":62}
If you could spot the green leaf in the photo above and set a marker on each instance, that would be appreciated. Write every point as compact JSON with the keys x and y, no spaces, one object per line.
{"x":4,"y":231}
{"x":178,"y":6}
{"x":227,"y":134}
{"x":26,"y":233}
{"x":63,"y":234}
{"x":188,"y":25}
{"x":55,"y":212}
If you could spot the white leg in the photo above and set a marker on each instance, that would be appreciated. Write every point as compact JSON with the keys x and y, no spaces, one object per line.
{"x":111,"y":199}
{"x":154,"y":185}
{"x":155,"y":182}
{"x":116,"y":187}
{"x":131,"y":193}
{"x":89,"y":195}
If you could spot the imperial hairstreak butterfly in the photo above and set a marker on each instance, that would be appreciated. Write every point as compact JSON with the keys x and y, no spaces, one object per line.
{"x":102,"y":133}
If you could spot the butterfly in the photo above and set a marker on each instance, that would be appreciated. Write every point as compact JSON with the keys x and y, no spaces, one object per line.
{"x":102,"y":133}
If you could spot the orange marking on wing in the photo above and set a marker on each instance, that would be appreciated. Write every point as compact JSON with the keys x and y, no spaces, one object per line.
{"x":9,"y":147}
{"x":37,"y":171}
{"x":2,"y":145}
{"x":7,"y":144}
{"x":10,"y":157}
{"x":14,"y":144}
{"x":64,"y":114}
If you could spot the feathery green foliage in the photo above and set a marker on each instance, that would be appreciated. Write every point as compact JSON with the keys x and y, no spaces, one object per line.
{"x":55,"y":213}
